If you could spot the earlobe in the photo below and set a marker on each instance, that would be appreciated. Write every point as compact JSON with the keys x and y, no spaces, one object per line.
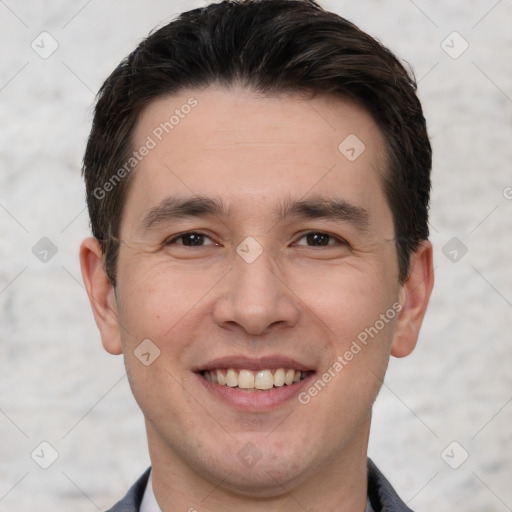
{"x":414,"y":297}
{"x":101,"y":295}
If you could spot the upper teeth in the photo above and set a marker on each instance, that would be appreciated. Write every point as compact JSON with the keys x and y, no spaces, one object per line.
{"x":248,"y":379}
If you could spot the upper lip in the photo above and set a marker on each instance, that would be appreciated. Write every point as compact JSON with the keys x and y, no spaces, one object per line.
{"x":271,"y":362}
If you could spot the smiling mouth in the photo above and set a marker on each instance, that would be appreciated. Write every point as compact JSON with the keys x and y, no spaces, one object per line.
{"x":249,"y":380}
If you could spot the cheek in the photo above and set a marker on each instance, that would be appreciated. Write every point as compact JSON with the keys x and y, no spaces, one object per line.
{"x":168,"y":307}
{"x":357,"y":314}
{"x":157,"y":297}
{"x":348,"y":301}
{"x":359,"y":311}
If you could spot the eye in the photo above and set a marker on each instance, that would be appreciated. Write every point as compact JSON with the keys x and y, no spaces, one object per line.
{"x":320,"y":239}
{"x":191,"y":239}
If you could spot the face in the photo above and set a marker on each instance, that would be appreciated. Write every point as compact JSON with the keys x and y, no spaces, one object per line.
{"x":260,"y":268}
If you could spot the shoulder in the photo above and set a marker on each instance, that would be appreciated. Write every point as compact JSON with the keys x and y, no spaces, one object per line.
{"x":131,"y":502}
{"x":382,"y":495}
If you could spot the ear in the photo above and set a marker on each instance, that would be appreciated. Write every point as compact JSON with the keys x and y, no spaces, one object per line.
{"x":101,"y":294}
{"x":415,"y":294}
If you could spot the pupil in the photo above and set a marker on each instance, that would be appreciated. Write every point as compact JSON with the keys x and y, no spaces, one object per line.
{"x":193,"y":239}
{"x":318,"y":239}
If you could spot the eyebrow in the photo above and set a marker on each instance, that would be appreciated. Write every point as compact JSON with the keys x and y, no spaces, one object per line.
{"x":180,"y":207}
{"x":335,"y":209}
{"x":330,"y":209}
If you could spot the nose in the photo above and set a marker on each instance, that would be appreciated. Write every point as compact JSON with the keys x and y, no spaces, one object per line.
{"x":256,"y":297}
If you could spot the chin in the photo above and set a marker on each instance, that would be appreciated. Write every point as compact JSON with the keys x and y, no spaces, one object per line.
{"x":264,"y":480}
{"x":249,"y":471}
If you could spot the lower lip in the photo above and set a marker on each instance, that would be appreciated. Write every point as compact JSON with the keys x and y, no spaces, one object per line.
{"x":254,"y":401}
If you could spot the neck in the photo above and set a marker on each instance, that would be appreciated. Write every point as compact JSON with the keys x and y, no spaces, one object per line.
{"x":339,"y":485}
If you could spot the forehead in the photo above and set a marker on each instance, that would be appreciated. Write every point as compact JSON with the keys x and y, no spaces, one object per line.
{"x":219,"y":117}
{"x":249,"y":148}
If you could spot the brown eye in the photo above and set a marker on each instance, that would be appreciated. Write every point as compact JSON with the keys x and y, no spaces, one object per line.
{"x":319,"y":239}
{"x":191,"y":239}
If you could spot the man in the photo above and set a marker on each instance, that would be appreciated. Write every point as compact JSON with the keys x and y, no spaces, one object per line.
{"x":258,"y":178}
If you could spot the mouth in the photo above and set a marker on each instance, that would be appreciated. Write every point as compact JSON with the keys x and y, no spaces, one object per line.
{"x":255,"y":380}
{"x":254,"y":385}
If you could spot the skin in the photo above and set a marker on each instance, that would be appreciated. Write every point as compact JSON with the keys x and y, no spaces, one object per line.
{"x":297,"y":300}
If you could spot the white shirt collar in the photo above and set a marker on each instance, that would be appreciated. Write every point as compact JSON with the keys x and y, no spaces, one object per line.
{"x":149,"y":503}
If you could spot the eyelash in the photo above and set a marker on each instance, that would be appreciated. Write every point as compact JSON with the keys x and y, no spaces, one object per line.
{"x":171,"y":240}
{"x":338,"y":239}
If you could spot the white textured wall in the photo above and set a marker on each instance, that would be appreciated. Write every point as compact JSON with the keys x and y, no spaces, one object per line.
{"x":57,"y":384}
